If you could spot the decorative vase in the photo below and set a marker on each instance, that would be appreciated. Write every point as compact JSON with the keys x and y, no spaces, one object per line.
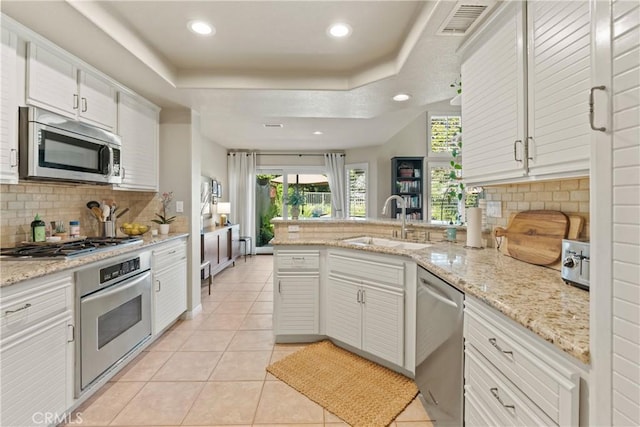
{"x":295,"y":212}
{"x":164,"y":228}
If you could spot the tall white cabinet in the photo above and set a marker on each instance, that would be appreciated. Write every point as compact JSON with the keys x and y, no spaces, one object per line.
{"x":8,"y":109}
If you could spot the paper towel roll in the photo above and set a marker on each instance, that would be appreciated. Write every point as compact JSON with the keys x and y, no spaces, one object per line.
{"x":474,"y":227}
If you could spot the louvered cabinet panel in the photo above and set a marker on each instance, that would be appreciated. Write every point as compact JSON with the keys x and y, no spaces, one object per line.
{"x":34,"y":373}
{"x":383,"y":323}
{"x":297,"y":304}
{"x":51,"y":81}
{"x":493,"y":109}
{"x":344,"y":311}
{"x":138,"y":127}
{"x":97,"y":101}
{"x":559,"y":78}
{"x":8,"y":109}
{"x":170,"y":294}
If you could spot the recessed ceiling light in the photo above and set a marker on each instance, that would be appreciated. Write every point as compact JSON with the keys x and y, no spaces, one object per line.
{"x":401,"y":97}
{"x":318,"y":132}
{"x":201,"y":27}
{"x":339,"y":30}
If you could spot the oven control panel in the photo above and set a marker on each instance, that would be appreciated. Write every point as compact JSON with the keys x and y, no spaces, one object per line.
{"x":114,"y":271}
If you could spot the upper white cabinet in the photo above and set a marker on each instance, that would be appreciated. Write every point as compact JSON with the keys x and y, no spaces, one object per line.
{"x":525,"y":100}
{"x":8,"y":109}
{"x":55,"y":83}
{"x":139,"y":129}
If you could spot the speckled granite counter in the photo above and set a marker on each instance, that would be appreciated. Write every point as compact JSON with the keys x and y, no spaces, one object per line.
{"x":533,"y":296}
{"x":12,"y":272}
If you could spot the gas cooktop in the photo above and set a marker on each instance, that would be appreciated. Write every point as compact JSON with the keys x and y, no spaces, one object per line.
{"x":67,"y":250}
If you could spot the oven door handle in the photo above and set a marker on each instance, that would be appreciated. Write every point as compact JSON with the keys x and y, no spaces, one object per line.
{"x":114,"y":289}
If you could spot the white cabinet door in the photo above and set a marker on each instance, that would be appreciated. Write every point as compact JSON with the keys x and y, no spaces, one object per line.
{"x":493,"y":103}
{"x":296,"y":301}
{"x":51,"y":81}
{"x":8,"y":110}
{"x":383,"y":323}
{"x":138,"y":127}
{"x":170,"y":296}
{"x":97,"y":100}
{"x":559,"y":78}
{"x":344,"y":311}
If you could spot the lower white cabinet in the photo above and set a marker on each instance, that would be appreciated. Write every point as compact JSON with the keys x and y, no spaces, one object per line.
{"x":513,"y":377}
{"x":169,"y":283}
{"x":36,"y":351}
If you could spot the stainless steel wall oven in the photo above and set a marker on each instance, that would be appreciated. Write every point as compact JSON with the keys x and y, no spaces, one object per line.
{"x":113,"y":314}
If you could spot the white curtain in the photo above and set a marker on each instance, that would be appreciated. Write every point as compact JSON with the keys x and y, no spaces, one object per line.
{"x":242,"y":193}
{"x":334,"y":163}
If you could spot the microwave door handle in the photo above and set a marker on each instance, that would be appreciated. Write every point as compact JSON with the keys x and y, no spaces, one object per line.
{"x":109,"y":169}
{"x":110,"y":174}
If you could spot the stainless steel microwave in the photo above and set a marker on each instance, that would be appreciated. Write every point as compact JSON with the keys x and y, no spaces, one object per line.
{"x":53,"y":147}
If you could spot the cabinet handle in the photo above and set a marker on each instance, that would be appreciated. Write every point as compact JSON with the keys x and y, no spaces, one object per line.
{"x":73,"y":332}
{"x":494,"y":342}
{"x":515,"y":150}
{"x":526,"y":148}
{"x":123,"y":170}
{"x":362,"y":295}
{"x":494,"y":391}
{"x":24,"y":307}
{"x":84,"y":104}
{"x":279,"y":288}
{"x":75,"y":101}
{"x":159,"y":285}
{"x":591,"y":104}
{"x":298,"y":258}
{"x":172,"y":252}
{"x":358,"y":296}
{"x":14,"y":158}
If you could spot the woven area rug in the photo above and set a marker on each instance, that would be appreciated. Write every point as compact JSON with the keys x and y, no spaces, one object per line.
{"x":360,"y":392}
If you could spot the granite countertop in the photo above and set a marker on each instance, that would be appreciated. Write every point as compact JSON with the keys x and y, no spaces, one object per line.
{"x":12,"y":271}
{"x":534,"y":296}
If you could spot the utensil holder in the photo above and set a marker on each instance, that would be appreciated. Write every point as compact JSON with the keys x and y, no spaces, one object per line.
{"x":108,"y":229}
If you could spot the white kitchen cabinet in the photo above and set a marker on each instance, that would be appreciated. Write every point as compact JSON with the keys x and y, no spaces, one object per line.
{"x":365,"y":305}
{"x":55,"y":83}
{"x":514,"y":377}
{"x":8,"y":109}
{"x":36,"y":351}
{"x":138,"y":126}
{"x":524,"y":104}
{"x":170,"y":283}
{"x":296,"y":292}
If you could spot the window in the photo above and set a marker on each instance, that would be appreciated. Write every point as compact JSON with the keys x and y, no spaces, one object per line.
{"x":442,"y":129}
{"x":357,"y":190}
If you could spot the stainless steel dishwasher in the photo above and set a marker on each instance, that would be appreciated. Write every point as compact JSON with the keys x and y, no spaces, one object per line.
{"x":440,"y":349}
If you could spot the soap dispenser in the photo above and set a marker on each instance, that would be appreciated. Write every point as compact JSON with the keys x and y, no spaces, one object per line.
{"x":38,"y":229}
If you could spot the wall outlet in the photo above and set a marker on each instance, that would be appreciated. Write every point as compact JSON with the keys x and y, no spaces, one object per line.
{"x":179,"y":206}
{"x":494,"y":209}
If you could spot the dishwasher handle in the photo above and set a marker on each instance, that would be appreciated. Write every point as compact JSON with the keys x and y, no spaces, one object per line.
{"x":433,"y":292}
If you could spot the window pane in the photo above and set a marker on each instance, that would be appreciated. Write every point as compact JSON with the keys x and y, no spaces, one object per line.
{"x":357,"y":193}
{"x":443,"y":209}
{"x":443,"y":129}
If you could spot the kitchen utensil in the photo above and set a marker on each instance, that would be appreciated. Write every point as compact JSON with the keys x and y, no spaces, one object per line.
{"x":106,"y":211}
{"x":93,"y":204}
{"x":122,"y":213}
{"x":536,"y":236}
{"x":107,"y":229}
{"x":97,"y":212}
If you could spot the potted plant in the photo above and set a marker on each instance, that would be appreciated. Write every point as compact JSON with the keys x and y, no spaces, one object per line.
{"x":455,"y":191}
{"x":164,"y":220}
{"x":295,"y":200}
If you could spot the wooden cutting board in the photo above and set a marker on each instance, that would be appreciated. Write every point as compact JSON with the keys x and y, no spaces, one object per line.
{"x":536,"y":236}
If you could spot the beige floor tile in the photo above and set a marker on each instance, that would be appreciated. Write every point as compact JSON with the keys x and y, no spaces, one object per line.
{"x":241,"y":366}
{"x":188,"y":366}
{"x":265,"y":296}
{"x":234,"y":307}
{"x":170,"y":340}
{"x":413,"y":412}
{"x":280,"y":403}
{"x":160,"y":403}
{"x":209,"y":306}
{"x":243,"y":286}
{"x":190,"y":324}
{"x":222,"y":322}
{"x":268,"y":287}
{"x":414,"y":424}
{"x":261,"y":307}
{"x":252,"y":340}
{"x":103,"y":407}
{"x":216,"y":295}
{"x":258,"y":276}
{"x":330,"y":418}
{"x":225,"y":403}
{"x":291,"y":425}
{"x":143,"y":367}
{"x":208,"y":341}
{"x":257,"y":322}
{"x":242,"y":296}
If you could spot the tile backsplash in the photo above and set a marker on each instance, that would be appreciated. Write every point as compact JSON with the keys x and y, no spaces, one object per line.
{"x":20,"y":203}
{"x":570,"y":196}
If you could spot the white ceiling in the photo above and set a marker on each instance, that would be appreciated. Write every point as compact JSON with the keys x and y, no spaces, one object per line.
{"x":269,"y":62}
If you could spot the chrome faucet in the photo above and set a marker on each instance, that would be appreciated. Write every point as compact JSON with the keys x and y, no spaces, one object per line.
{"x":403,"y":205}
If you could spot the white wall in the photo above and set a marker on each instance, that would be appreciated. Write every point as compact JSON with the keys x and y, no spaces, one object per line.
{"x":213,"y":163}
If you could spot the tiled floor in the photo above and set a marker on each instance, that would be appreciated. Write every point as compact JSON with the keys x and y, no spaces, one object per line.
{"x":210,"y":371}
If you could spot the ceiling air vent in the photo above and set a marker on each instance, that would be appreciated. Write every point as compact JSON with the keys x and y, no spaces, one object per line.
{"x":463,"y":18}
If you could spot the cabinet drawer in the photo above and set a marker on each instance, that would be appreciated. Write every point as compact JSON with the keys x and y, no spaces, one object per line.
{"x":550,"y":386}
{"x":367,"y":270}
{"x":169,"y":254}
{"x":298,"y":260}
{"x":498,"y":396}
{"x":24,"y":309}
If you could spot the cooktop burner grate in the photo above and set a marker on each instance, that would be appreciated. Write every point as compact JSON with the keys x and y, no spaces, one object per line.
{"x":68,"y":249}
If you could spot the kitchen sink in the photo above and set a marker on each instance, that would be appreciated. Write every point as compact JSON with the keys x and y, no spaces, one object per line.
{"x":387,"y":243}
